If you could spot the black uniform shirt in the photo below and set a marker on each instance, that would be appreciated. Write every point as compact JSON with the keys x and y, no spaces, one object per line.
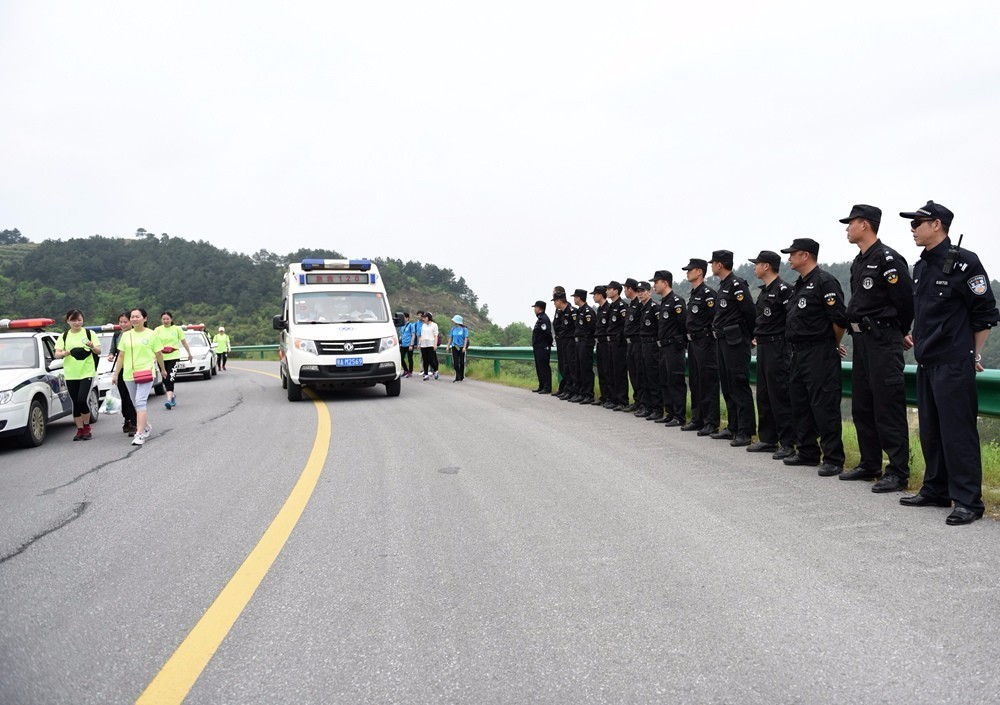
{"x":649,"y":320}
{"x":771,"y":308}
{"x":616,"y":317}
{"x":672,"y":313}
{"x":632,"y":323}
{"x":603,"y":318}
{"x":734,"y":306}
{"x":881,"y":287}
{"x":950,"y":308}
{"x":558,"y":322}
{"x":568,"y":331}
{"x":817,"y":301}
{"x":541,"y":334}
{"x":586,"y":322}
{"x":701,"y":308}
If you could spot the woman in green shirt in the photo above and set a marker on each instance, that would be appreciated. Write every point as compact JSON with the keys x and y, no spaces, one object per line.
{"x":222,"y":346}
{"x":76,"y":348}
{"x":171,"y":339}
{"x":140,"y":351}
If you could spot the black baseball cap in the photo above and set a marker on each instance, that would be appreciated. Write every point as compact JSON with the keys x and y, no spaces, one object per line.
{"x":631,"y":283}
{"x":664,"y":275}
{"x":539,"y":304}
{"x":616,"y":285}
{"x":932,"y":211}
{"x":696,"y":264}
{"x":861,"y":210}
{"x":643,"y":286}
{"x":768,"y":257}
{"x":600,"y":289}
{"x":803,"y":244}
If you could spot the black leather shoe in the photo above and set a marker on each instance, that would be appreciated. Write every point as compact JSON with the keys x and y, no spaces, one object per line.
{"x":536,"y":391}
{"x":961,"y":515}
{"x":597,"y":402}
{"x":707,"y":430}
{"x":655,"y":416}
{"x":664,"y":419}
{"x":860,"y":473}
{"x":620,"y":407}
{"x":575,"y":399}
{"x":922,"y":500}
{"x":796,"y":459}
{"x":691,"y":427}
{"x":642,"y":412}
{"x":783,"y":452}
{"x":827,"y":470}
{"x":587,"y":401}
{"x":546,"y":391}
{"x":723,"y":435}
{"x":674,"y":423}
{"x":761,"y":447}
{"x":563,"y":395}
{"x":630,"y":407}
{"x":889,"y":483}
{"x":609,"y":405}
{"x":740,"y":440}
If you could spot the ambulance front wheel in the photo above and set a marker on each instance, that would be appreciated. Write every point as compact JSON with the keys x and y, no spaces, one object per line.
{"x":393,"y":388}
{"x":294,"y":391}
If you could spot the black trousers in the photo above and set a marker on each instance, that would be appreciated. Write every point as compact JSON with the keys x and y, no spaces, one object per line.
{"x":734,"y":378}
{"x":408,"y":359}
{"x":673,"y":387}
{"x":223,"y":356}
{"x":585,"y":367}
{"x":947,"y":405}
{"x":878,"y":401}
{"x":774,"y":410}
{"x":543,"y":370}
{"x":458,"y":360}
{"x":562,"y":366}
{"x":79,"y":392}
{"x":571,"y":379}
{"x":604,"y":369}
{"x":649,"y":373}
{"x":619,"y":372}
{"x":429,"y":358}
{"x":815,"y":391}
{"x":704,"y":369}
{"x":128,"y":408}
{"x":634,"y":362}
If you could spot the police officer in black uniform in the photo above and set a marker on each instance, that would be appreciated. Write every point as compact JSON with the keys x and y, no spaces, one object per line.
{"x":814,"y":325}
{"x":634,"y":348}
{"x":651,"y":404}
{"x":558,"y":325}
{"x":586,"y":323}
{"x":617,"y":347}
{"x":566,"y":343}
{"x":774,"y":410}
{"x":603,"y":313}
{"x":954,"y":309}
{"x":879,"y":315}
{"x":541,"y":346}
{"x":672,"y":340}
{"x":733,"y":329}
{"x":703,"y":363}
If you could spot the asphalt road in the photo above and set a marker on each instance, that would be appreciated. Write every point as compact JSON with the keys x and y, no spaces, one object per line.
{"x":471,"y":543}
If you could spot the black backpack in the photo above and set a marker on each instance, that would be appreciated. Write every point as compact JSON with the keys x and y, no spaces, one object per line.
{"x":90,"y":337}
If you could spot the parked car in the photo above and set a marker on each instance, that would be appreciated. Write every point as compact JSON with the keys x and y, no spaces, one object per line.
{"x":33,"y":390}
{"x":106,"y":367}
{"x":203,"y":359}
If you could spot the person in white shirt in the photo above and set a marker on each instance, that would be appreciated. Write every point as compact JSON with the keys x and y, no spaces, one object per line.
{"x":428,"y":346}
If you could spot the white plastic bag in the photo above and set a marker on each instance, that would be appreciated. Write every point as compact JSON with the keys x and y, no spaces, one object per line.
{"x":112,"y":403}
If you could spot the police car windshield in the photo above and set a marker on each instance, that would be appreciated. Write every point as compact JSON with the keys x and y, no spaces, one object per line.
{"x":340,"y":307}
{"x":197,"y":339}
{"x":18,"y":353}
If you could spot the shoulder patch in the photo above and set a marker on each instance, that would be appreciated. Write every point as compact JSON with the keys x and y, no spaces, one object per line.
{"x":978,"y":284}
{"x":891,"y":275}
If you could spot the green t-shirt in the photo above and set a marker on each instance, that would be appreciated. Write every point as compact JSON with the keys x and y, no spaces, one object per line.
{"x":138,"y":351}
{"x":73,"y":368}
{"x":170,"y":337}
{"x":221,"y":341}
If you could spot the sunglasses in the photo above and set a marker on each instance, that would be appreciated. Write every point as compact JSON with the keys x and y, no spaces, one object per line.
{"x":914,"y":224}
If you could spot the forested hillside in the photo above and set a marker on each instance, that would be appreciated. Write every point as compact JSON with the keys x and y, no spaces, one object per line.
{"x":201,"y":283}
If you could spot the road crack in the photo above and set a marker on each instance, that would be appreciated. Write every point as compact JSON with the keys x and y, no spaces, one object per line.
{"x":77,"y":512}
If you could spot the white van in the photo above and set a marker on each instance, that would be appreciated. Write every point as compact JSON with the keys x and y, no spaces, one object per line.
{"x":336,"y":328}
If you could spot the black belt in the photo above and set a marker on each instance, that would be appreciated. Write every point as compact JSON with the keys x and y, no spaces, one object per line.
{"x":808,"y":344}
{"x":699,"y":335}
{"x":583,"y":339}
{"x":867,"y":327}
{"x":770,"y":338}
{"x":671,"y":341}
{"x":614,"y":338}
{"x":648,"y":341}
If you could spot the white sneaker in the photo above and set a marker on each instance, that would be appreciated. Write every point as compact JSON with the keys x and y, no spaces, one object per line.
{"x":146,"y":431}
{"x":139,"y":439}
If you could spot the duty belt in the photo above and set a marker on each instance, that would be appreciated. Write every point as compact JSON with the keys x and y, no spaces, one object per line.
{"x":700,"y":334}
{"x":870,"y":325}
{"x":583,"y":339}
{"x":648,"y":340}
{"x":770,"y":338}
{"x":807,"y":344}
{"x":613,"y":338}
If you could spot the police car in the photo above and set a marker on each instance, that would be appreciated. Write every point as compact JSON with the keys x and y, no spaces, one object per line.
{"x":33,"y":390}
{"x":203,"y":359}
{"x":106,"y":367}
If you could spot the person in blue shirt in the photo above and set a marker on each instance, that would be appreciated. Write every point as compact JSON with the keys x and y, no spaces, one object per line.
{"x":418,"y":327}
{"x":458,"y":341}
{"x":407,"y":339}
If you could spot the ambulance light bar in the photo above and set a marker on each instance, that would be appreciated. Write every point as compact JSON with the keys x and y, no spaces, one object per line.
{"x":358,"y":265}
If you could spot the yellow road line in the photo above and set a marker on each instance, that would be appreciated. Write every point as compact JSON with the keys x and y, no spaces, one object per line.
{"x":183,"y":668}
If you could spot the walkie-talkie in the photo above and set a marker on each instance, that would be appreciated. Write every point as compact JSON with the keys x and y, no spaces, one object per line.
{"x":949,"y":259}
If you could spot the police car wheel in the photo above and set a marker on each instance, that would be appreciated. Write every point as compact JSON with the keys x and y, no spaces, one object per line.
{"x":94,"y":404}
{"x":36,"y":428}
{"x":207,"y":374}
{"x":393,"y":388}
{"x":294,"y":391}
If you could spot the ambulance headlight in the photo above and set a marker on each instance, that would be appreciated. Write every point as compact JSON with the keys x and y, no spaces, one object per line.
{"x":6,"y":395}
{"x":306,"y":346}
{"x":388,"y":343}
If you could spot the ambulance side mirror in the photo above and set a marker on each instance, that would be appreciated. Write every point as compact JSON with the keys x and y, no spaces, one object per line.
{"x":279,"y":323}
{"x":398,"y":320}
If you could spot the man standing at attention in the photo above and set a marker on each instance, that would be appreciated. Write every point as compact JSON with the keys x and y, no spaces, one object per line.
{"x":703,"y":363}
{"x":616,"y":340}
{"x":583,"y":336}
{"x":650,"y":404}
{"x":671,"y":340}
{"x":603,"y":313}
{"x":541,"y":345}
{"x":814,"y":325}
{"x":634,"y":348}
{"x":954,"y":309}
{"x":879,"y":315}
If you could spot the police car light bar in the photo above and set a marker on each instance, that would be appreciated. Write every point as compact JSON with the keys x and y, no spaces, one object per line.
{"x":359,"y":265}
{"x":193,"y":326}
{"x":105,"y":327}
{"x":23,"y":323}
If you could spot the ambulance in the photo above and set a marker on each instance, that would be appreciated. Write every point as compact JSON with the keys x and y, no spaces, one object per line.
{"x":336,"y":329}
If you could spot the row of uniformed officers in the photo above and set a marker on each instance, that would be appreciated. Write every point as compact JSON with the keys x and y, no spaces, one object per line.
{"x":797,"y":330}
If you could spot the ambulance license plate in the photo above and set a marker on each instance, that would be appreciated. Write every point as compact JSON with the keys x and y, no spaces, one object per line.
{"x":349,"y":362}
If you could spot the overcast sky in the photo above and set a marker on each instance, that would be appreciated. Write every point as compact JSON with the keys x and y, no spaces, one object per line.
{"x":521,"y":144}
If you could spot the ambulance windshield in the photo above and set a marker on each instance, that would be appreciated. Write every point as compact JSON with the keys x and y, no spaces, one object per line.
{"x":340,"y":307}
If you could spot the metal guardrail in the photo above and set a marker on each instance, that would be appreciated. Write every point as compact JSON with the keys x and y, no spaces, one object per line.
{"x":987,"y":382}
